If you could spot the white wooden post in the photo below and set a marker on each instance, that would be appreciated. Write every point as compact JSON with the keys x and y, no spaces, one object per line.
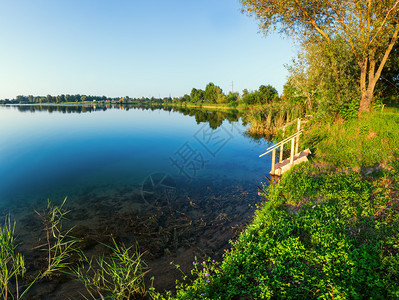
{"x":298,"y":127}
{"x":273,"y":160}
{"x":281,"y":152}
{"x":292,"y":151}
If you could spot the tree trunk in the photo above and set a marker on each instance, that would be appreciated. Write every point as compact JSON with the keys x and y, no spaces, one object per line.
{"x":367,"y":86}
{"x":310,"y":103}
{"x":365,"y":101}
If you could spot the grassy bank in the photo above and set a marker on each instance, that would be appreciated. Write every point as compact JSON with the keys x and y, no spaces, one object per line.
{"x":328,"y":230}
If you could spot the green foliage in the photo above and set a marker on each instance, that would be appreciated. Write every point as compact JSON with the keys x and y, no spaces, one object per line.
{"x":185,"y":98}
{"x":268,"y":92}
{"x":325,"y":78}
{"x":349,"y":110}
{"x":233,"y":104}
{"x":292,"y":94}
{"x":328,"y":25}
{"x":233,"y":98}
{"x":324,"y":231}
{"x":339,"y":77}
{"x":213,"y":93}
{"x":265,"y":94}
{"x":204,"y":271}
{"x":221,"y":98}
{"x":57,"y":99}
{"x":335,"y":237}
{"x":197,"y":95}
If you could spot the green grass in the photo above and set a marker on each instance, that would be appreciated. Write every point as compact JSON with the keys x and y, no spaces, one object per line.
{"x":356,"y":144}
{"x":327,"y":230}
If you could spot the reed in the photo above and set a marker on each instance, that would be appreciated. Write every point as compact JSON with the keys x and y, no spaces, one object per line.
{"x":118,"y":276}
{"x":14,"y":284}
{"x":269,"y":118}
{"x":12,"y":264}
{"x":60,"y":245}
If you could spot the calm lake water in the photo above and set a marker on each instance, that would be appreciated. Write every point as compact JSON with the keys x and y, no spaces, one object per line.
{"x":49,"y":155}
{"x":179,"y":183}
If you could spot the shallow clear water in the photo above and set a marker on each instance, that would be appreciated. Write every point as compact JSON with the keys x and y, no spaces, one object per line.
{"x":179,"y":185}
{"x":56,"y":154}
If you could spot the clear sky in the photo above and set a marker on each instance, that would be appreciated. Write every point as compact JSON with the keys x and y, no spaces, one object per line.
{"x":134,"y":48}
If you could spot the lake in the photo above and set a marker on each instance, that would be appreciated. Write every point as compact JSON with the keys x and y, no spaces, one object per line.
{"x":180,"y":183}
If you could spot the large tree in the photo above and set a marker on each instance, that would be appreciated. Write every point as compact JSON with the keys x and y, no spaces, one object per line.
{"x":213,"y":93}
{"x":368,"y":27}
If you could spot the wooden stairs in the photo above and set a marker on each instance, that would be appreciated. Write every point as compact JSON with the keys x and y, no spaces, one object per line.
{"x":295,"y":158}
{"x":285,"y":165}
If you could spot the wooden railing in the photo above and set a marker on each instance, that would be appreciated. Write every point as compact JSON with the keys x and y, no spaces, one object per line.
{"x":294,"y":149}
{"x":294,"y":139}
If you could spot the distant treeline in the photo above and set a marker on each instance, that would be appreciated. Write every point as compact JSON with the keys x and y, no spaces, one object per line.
{"x":20,"y":99}
{"x":213,"y":118}
{"x":211,"y":94}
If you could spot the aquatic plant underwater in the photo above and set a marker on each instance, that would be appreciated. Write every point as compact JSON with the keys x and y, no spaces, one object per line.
{"x":117,"y":276}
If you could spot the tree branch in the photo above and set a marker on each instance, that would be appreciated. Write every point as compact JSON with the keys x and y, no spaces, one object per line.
{"x":384,"y":21}
{"x":387,"y":52}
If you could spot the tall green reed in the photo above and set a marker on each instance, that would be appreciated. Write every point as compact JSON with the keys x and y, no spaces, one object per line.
{"x":59,"y":245}
{"x":12,"y":264}
{"x":270,"y":117}
{"x":117,"y":276}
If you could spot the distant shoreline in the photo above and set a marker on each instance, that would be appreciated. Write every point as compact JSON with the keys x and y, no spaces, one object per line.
{"x":185,"y":105}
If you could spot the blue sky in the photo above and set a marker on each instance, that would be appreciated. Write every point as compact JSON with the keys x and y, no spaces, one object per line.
{"x":134,"y":48}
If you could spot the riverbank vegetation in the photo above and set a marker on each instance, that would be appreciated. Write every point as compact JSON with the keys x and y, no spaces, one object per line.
{"x":328,"y":229}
